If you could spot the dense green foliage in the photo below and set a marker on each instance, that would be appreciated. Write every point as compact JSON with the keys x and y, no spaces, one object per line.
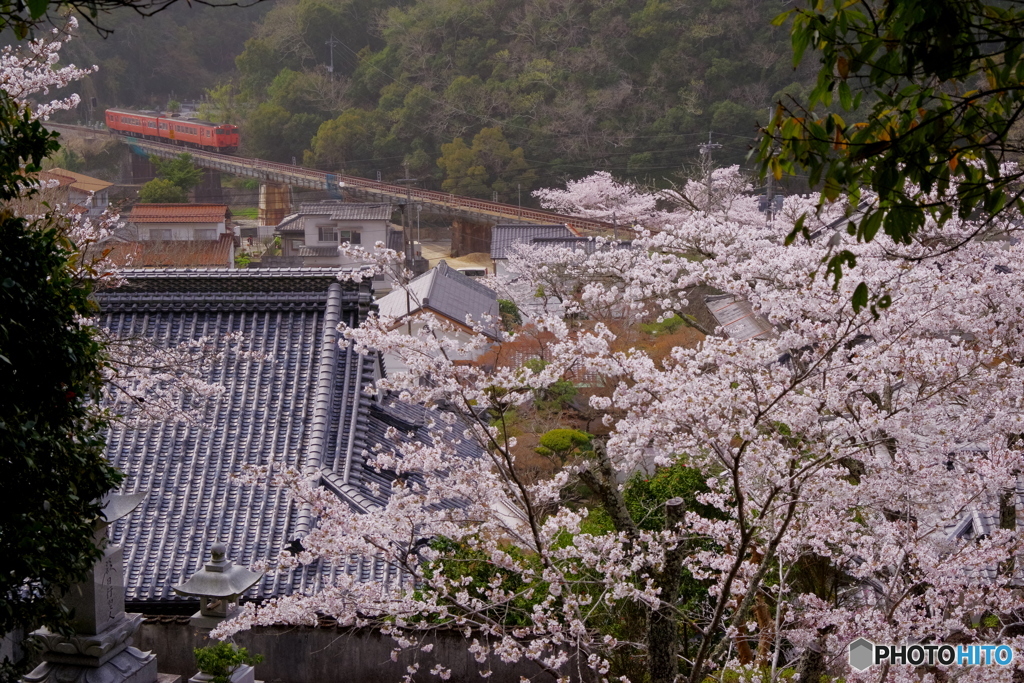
{"x":623,"y":85}
{"x":162,"y":191}
{"x":510,"y":316}
{"x":52,"y":466}
{"x":563,"y":443}
{"x":175,"y":178}
{"x":180,"y":170}
{"x":535,"y":90}
{"x":913,"y":100}
{"x":220,"y":659}
{"x":145,"y":64}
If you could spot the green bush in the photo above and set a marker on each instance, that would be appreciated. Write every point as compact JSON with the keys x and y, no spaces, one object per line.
{"x":457,"y":559}
{"x":557,"y":396}
{"x":162,"y":191}
{"x":562,"y":442}
{"x":510,"y":316}
{"x":666,"y":326}
{"x":222,"y":659}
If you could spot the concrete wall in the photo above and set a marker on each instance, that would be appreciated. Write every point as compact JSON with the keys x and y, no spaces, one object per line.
{"x":303,"y":654}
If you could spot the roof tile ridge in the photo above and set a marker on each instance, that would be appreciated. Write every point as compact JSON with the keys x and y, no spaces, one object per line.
{"x":327,"y":370}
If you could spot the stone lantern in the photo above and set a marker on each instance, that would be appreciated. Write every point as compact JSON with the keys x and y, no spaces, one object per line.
{"x":218,"y":586}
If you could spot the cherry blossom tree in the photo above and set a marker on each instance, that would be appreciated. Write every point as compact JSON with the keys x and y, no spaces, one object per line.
{"x":857,"y":469}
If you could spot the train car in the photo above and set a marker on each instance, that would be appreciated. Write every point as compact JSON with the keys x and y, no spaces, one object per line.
{"x":151,"y":125}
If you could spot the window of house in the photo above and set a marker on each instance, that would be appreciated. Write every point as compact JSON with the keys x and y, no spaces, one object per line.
{"x":205,"y":233}
{"x":298,"y":244}
{"x":160,"y":233}
{"x":328,"y":233}
{"x":350,"y":236}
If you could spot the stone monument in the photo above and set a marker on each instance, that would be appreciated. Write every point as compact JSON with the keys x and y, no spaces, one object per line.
{"x":100,"y":650}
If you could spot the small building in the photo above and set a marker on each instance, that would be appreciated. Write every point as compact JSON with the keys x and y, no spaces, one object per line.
{"x":88,"y":195}
{"x":318,"y":229}
{"x":442,"y":293}
{"x":174,"y":222}
{"x":504,"y":236}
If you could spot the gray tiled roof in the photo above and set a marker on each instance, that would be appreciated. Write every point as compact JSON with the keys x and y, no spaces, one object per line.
{"x":292,"y":223}
{"x":586,"y":244}
{"x":318,"y":251}
{"x":446,"y":291}
{"x":299,"y":404}
{"x":347,"y":211}
{"x":504,"y":236}
{"x":738,"y":318}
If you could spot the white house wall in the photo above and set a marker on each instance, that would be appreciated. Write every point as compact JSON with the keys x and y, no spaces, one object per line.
{"x":179,"y":231}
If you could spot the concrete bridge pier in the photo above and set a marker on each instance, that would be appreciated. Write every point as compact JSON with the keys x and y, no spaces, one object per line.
{"x":275,"y":202}
{"x":469,"y":237}
{"x":209,"y":191}
{"x":141,"y":169}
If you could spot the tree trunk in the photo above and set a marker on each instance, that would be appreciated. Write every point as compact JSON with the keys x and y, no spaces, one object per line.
{"x":663,"y":629}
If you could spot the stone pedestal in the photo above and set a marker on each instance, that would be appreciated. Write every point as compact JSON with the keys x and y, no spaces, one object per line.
{"x":129,"y":665}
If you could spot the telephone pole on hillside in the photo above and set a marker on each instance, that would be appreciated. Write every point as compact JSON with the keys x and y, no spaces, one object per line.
{"x":331,"y":43}
{"x":706,"y":149}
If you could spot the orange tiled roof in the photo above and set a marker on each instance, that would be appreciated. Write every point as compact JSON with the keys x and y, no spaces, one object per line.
{"x":178,"y":213}
{"x":64,"y":180}
{"x":82,"y":182}
{"x":172,"y":253}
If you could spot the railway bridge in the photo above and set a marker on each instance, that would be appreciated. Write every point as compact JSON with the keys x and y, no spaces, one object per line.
{"x":468,"y":214}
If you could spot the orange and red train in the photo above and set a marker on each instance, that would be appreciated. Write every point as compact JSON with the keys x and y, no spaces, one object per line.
{"x":215,"y":137}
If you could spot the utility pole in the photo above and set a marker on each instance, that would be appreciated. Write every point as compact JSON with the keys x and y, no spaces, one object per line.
{"x":331,"y":43}
{"x":406,"y":218}
{"x":706,"y":149}
{"x":770,"y":215}
{"x":406,"y":228}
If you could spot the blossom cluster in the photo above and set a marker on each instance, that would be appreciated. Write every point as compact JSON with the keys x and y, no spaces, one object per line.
{"x":859,"y":461}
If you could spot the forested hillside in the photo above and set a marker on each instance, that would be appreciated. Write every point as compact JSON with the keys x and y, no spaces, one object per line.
{"x":177,"y":55}
{"x":476,"y":96}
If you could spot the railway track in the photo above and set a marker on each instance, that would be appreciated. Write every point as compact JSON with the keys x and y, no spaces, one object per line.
{"x":477,"y":210}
